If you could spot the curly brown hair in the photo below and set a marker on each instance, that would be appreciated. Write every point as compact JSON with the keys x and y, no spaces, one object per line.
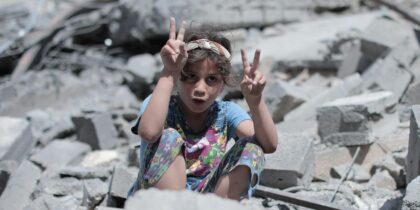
{"x":196,"y":55}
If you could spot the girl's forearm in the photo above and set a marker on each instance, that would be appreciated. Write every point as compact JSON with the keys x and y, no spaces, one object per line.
{"x":265,"y":130}
{"x":154,"y":116}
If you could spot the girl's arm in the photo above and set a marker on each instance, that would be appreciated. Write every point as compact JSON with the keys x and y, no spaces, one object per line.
{"x":262,"y":124}
{"x":173,"y":57}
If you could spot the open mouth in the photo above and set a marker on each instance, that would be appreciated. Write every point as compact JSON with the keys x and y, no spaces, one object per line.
{"x":198,"y":101}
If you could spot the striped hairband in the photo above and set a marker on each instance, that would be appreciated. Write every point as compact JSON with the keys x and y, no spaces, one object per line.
{"x":210,"y":45}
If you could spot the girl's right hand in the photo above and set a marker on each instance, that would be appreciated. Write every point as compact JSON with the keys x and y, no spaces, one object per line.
{"x":173,"y":54}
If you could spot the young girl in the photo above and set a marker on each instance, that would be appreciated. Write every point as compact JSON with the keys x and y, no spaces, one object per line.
{"x":184,"y":136}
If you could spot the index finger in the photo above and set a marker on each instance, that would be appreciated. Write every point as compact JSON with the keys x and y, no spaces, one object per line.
{"x":256,"y":61}
{"x":172,"y":28}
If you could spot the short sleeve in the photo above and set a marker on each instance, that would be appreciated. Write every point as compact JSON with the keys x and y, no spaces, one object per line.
{"x":235,"y":115}
{"x":143,"y":106}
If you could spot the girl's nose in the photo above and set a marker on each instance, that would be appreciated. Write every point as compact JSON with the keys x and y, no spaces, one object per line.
{"x":200,"y":88}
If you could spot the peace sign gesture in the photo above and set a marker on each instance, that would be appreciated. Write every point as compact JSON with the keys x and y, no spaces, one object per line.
{"x":253,"y":81}
{"x":173,"y":53}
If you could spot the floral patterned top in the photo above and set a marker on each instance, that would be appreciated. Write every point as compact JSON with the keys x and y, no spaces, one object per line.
{"x":203,"y":150}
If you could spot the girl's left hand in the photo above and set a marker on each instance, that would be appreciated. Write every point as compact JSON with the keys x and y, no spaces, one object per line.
{"x":254,"y":81}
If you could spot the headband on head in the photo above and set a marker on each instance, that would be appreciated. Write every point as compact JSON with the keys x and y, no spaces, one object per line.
{"x":210,"y":45}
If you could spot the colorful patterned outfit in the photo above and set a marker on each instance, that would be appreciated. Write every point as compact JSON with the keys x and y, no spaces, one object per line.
{"x":205,"y":152}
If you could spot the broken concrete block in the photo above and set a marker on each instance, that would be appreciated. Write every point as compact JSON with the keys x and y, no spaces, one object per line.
{"x":61,"y":187}
{"x":357,"y":173}
{"x":20,"y":186}
{"x":412,"y":195}
{"x":381,"y":198}
{"x":121,"y":181}
{"x":60,"y":153}
{"x":292,"y":164}
{"x":46,"y":201}
{"x":84,"y":173}
{"x":94,"y":190}
{"x":7,"y":167}
{"x":352,"y":120}
{"x":328,"y":158}
{"x":281,"y":97}
{"x":16,"y":139}
{"x":152,"y":198}
{"x":413,"y":155}
{"x":412,"y":95}
{"x":383,"y":179}
{"x":382,"y":74}
{"x":395,"y":170}
{"x":97,"y":130}
{"x":7,"y":92}
{"x":144,"y":65}
{"x":375,"y":42}
{"x":415,"y":69}
{"x":99,"y":158}
{"x":354,"y":62}
{"x":305,"y":114}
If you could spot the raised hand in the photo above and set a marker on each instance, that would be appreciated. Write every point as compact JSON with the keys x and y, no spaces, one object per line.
{"x":253,"y":82}
{"x":173,"y":54}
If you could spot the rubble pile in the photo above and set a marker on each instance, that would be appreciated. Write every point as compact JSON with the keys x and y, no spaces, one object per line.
{"x":343,"y":90}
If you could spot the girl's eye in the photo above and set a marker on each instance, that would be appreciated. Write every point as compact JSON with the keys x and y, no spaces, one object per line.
{"x":190,"y":77}
{"x":211,"y":80}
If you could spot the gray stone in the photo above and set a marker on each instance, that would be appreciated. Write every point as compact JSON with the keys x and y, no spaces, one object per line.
{"x":380,"y":198}
{"x":412,"y":95}
{"x":152,"y":198}
{"x":413,"y":155}
{"x":85,"y":173}
{"x":281,"y":97}
{"x":16,"y":139}
{"x":352,"y":120}
{"x":61,"y":187}
{"x":46,"y":201}
{"x":384,"y":72}
{"x":7,"y":92}
{"x":60,"y":153}
{"x":97,"y":130}
{"x":395,"y":170}
{"x":100,"y":158}
{"x":94,"y":190}
{"x":415,"y":69}
{"x":7,"y":167}
{"x":383,"y":179}
{"x":375,"y":42}
{"x":357,"y":173}
{"x":122,"y":180}
{"x":305,"y":114}
{"x":144,"y":65}
{"x":412,"y":195}
{"x":20,"y":186}
{"x":292,"y":164}
{"x":355,"y":61}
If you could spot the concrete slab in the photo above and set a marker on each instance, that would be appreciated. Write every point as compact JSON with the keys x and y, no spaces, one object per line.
{"x":354,"y":120}
{"x":20,"y":187}
{"x":97,"y":130}
{"x":413,"y":155}
{"x":292,"y":164}
{"x":60,"y":153}
{"x":16,"y":139}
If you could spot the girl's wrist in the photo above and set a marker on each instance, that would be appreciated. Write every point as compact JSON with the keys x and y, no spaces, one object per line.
{"x":253,"y":100}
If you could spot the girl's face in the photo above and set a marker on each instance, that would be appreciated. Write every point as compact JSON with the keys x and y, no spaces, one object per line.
{"x":202,"y":84}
